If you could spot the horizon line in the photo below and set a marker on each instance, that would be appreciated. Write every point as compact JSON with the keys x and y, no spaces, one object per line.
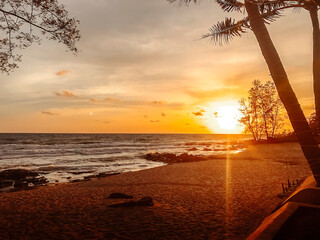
{"x":119,"y":133}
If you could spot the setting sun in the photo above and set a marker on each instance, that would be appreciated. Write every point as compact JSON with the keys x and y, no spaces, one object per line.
{"x":227,"y":117}
{"x":222,"y":117}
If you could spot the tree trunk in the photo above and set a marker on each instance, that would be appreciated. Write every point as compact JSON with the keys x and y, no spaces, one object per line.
{"x":316,"y":60}
{"x":299,"y":122}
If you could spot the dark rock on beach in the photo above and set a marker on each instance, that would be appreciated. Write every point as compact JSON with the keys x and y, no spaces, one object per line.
{"x":101,"y":175}
{"x":14,"y":174}
{"x":20,"y":184}
{"x":143,"y":202}
{"x":173,"y":158}
{"x":6,"y":183}
{"x":20,"y":178}
{"x":119,"y":196}
{"x":38,"y":180}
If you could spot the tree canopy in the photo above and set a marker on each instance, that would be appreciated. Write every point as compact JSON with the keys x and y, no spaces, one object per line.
{"x":262,"y":111}
{"x":23,"y":22}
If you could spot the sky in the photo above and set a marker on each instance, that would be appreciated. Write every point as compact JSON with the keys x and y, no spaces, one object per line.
{"x":142,"y":68}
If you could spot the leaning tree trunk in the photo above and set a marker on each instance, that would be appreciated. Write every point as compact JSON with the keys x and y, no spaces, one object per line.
{"x":299,"y":122}
{"x":316,"y":60}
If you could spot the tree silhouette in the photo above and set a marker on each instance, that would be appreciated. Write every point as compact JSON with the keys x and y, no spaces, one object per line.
{"x":256,"y":20}
{"x":261,"y":111}
{"x":24,"y":21}
{"x":313,"y":8}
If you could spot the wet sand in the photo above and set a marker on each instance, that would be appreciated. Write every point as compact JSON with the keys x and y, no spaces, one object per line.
{"x":214,"y":199}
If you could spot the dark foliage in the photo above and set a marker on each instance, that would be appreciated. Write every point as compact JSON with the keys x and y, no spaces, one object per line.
{"x":24,"y":21}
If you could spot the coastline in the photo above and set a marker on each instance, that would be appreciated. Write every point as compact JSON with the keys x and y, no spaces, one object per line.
{"x":224,"y":198}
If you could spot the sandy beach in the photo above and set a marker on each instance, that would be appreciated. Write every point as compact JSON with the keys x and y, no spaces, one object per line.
{"x":215,"y":199}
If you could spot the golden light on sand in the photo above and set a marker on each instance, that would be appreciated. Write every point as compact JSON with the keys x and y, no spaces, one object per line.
{"x":222,"y":117}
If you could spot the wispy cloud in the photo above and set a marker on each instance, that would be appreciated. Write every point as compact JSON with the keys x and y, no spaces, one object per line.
{"x":154,"y":121}
{"x":199,"y":113}
{"x":158,"y":102}
{"x":65,"y":93}
{"x":49,"y":113}
{"x":94,"y":100}
{"x":63,"y":72}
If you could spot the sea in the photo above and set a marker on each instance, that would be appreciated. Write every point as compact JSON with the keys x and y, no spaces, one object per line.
{"x":69,"y":157}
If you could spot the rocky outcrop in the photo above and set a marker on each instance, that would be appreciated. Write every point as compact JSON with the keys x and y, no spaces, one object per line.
{"x":173,"y":158}
{"x":20,"y":178}
{"x":15,"y":174}
{"x":143,"y":202}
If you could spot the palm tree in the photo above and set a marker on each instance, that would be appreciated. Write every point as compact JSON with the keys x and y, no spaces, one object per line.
{"x":270,"y":10}
{"x":255,"y":20}
{"x":312,"y":7}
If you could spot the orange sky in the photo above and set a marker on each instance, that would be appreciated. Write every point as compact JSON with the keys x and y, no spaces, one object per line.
{"x":142,"y":69}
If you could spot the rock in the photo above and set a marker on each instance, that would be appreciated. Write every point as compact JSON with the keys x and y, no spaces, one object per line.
{"x":119,"y":195}
{"x":14,"y":174}
{"x":76,"y":180}
{"x":101,"y":175}
{"x":6,"y":183}
{"x":20,"y":184}
{"x":143,"y":202}
{"x":172,"y":158}
{"x":37,"y":181}
{"x":89,"y":178}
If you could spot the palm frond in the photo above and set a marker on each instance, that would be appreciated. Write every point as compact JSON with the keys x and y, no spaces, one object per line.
{"x":296,"y":9}
{"x":231,"y":5}
{"x":271,"y":16}
{"x":226,"y":30}
{"x":268,"y":6}
{"x":181,"y":2}
{"x":271,"y":10}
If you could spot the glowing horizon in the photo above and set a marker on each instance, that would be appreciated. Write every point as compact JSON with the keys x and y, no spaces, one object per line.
{"x":140,"y":71}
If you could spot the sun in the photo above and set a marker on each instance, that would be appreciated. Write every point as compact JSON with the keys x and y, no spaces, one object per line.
{"x":221,"y":117}
{"x":227,"y":117}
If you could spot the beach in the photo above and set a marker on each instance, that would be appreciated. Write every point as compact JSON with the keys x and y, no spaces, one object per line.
{"x":214,"y":199}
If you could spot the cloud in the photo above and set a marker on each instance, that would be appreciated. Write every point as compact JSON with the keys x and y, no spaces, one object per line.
{"x":94,"y":100}
{"x":154,"y":121}
{"x":199,"y":113}
{"x":49,"y":113}
{"x":62,"y":72}
{"x":65,"y":93}
{"x":145,"y":116}
{"x":158,"y":102}
{"x":163,"y":114}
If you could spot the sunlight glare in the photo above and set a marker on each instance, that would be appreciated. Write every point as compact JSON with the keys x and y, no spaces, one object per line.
{"x":222,"y":117}
{"x":227,"y":117}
